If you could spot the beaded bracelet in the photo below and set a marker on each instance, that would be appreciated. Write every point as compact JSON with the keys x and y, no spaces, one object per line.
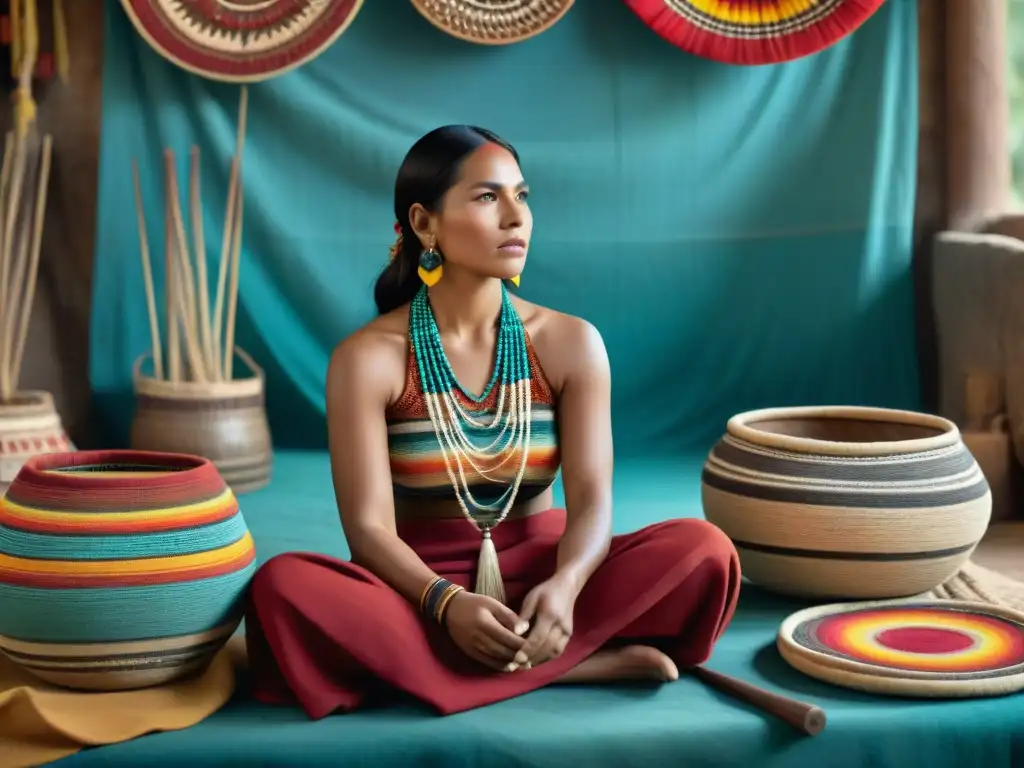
{"x":436,"y":596}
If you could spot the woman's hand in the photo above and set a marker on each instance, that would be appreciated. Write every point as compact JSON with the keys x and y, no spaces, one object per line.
{"x":483,"y":629}
{"x":548,"y":608}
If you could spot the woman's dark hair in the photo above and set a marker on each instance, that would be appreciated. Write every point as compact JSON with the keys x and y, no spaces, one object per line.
{"x":429,"y":170}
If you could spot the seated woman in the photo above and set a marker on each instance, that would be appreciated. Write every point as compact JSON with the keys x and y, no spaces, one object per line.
{"x":449,"y":416}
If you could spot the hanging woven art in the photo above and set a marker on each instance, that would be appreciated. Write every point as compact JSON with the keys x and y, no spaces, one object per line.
{"x":240,"y":41}
{"x":493,"y":22}
{"x":928,"y":649}
{"x":753,"y":32}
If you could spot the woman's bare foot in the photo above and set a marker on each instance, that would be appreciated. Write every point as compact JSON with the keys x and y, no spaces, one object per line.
{"x":633,"y":662}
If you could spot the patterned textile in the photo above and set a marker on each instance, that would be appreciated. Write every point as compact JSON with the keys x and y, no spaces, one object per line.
{"x":417,"y":467}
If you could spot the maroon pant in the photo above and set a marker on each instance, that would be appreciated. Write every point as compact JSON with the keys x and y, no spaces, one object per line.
{"x":322,"y":632}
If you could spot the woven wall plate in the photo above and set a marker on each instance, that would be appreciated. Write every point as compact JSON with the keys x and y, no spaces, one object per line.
{"x":240,"y":41}
{"x":916,"y":648}
{"x":493,"y":22}
{"x":756,"y":32}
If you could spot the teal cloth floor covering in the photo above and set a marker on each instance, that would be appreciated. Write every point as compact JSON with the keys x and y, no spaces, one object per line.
{"x":682,"y":724}
{"x":740,"y":236}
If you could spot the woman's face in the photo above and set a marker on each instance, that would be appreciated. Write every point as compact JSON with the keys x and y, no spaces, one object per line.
{"x":484,"y":222}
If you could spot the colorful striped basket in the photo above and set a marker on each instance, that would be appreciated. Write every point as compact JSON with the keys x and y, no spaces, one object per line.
{"x":120,"y":569}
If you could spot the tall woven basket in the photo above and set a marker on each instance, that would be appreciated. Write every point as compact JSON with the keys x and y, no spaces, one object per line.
{"x":29,"y":425}
{"x":223,"y":421}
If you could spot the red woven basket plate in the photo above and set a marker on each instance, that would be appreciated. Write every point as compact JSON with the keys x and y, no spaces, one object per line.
{"x":240,"y":40}
{"x":926,"y":648}
{"x":753,"y":31}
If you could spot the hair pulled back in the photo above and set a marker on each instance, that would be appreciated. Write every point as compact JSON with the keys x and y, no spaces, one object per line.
{"x":428,"y":171}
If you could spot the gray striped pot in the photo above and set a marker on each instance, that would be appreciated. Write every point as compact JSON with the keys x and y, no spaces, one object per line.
{"x":223,"y":421}
{"x":846,"y":502}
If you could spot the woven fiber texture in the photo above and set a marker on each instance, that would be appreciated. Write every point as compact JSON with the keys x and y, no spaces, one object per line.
{"x":765,"y":32}
{"x":241,"y":41}
{"x":224,"y":421}
{"x":120,"y":569}
{"x":493,"y":22}
{"x":925,"y":648}
{"x":979,"y":584}
{"x":29,"y":424}
{"x":847,"y":502}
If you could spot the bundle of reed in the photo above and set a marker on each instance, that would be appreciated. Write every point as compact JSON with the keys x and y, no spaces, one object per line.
{"x":199,"y":342}
{"x":192,"y":403}
{"x":24,"y":181}
{"x":29,"y":422}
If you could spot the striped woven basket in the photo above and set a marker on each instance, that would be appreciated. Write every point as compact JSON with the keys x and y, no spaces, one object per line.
{"x":120,"y":569}
{"x":846,"y":502}
{"x":29,"y":425}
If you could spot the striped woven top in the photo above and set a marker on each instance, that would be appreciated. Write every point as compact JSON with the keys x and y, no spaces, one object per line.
{"x":418,"y":468}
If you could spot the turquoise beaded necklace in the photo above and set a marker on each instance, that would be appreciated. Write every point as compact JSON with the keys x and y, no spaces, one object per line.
{"x":510,"y":422}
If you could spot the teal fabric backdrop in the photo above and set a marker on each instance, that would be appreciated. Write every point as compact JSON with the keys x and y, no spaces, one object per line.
{"x":741,"y":236}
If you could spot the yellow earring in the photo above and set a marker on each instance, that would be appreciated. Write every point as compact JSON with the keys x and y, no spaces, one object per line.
{"x":515,"y":281}
{"x":430,"y":266}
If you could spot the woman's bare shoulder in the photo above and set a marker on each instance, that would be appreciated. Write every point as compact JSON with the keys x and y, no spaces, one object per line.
{"x":564,"y":343}
{"x":374,"y":356}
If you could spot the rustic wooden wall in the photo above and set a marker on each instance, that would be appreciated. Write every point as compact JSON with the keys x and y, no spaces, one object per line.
{"x":57,"y":353}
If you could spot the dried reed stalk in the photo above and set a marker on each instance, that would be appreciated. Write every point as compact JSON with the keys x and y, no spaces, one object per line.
{"x":24,"y":183}
{"x":191,"y":328}
{"x":147,"y":276}
{"x":199,"y":241}
{"x":231,"y":247}
{"x":182,"y":267}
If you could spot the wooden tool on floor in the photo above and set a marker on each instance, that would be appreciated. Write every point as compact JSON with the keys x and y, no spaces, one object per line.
{"x":801,"y":715}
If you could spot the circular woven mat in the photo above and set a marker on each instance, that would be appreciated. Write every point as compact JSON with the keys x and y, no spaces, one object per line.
{"x":492,"y":22}
{"x":756,"y":32}
{"x":240,"y":40}
{"x":936,"y":649}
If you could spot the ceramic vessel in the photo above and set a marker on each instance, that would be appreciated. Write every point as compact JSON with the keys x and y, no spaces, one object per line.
{"x":846,"y":502}
{"x":225,"y":422}
{"x":120,"y":569}
{"x":29,"y":425}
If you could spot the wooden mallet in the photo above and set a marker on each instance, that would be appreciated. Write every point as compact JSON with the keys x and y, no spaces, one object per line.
{"x":803,"y":716}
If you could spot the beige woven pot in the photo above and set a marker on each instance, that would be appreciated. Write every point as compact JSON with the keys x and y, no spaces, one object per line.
{"x":29,"y":425}
{"x":225,"y":422}
{"x":846,"y":502}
